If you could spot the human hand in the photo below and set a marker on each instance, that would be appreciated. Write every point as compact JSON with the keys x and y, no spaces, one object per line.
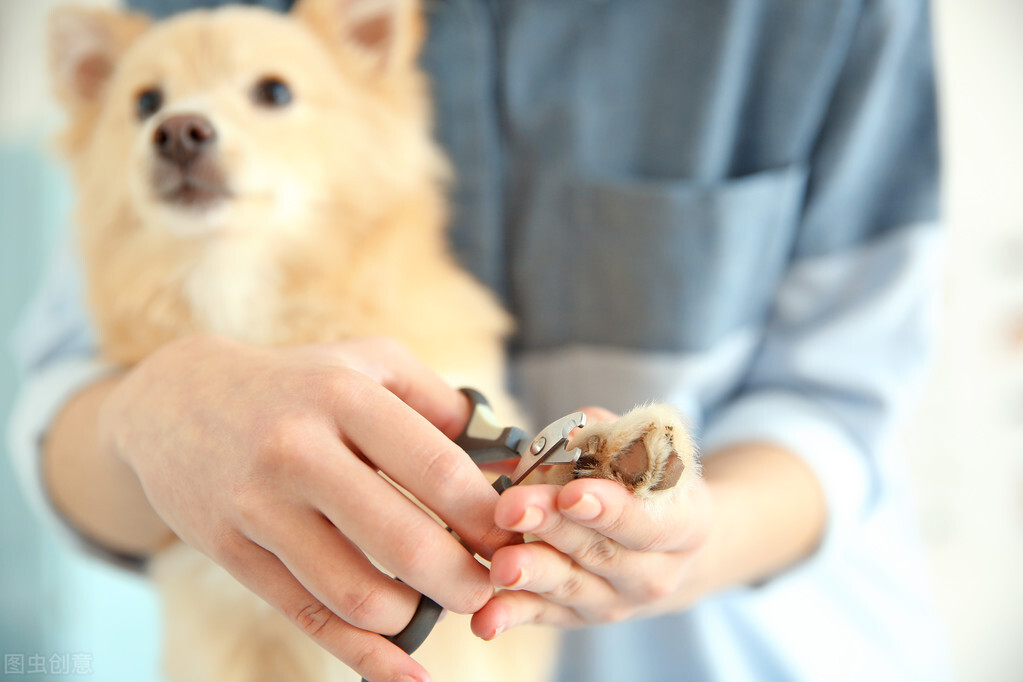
{"x":265,"y":460}
{"x":603,"y":555}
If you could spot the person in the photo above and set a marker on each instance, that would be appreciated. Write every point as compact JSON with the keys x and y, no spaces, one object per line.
{"x":730,"y":206}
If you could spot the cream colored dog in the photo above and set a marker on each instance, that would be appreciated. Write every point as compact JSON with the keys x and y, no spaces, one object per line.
{"x":272,"y":178}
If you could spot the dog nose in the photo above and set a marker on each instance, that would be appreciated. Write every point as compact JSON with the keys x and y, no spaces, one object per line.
{"x":182,"y":138}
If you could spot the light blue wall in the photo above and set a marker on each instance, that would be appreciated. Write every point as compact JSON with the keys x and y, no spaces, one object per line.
{"x":51,"y":600}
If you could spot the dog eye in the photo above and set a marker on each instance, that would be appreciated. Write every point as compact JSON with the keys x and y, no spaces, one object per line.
{"x":271,"y":92}
{"x":148,"y":103}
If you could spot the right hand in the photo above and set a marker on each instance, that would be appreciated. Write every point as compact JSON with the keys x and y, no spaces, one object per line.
{"x":266,"y":460}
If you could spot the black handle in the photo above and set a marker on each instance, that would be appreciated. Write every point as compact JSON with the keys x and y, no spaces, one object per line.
{"x":426,"y":616}
{"x":415,"y":633}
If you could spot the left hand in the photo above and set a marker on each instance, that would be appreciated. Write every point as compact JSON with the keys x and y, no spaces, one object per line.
{"x":603,"y":555}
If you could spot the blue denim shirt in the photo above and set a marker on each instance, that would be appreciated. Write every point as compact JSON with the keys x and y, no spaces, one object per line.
{"x":730,"y":205}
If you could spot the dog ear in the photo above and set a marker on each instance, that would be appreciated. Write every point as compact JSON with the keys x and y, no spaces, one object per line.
{"x":84,"y":45}
{"x":383,"y":34}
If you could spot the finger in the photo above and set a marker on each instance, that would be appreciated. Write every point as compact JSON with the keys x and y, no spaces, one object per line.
{"x":390,"y":364}
{"x":367,"y":653}
{"x":539,"y":568}
{"x":339,"y":575}
{"x":594,"y":569}
{"x":510,"y":609}
{"x":404,"y":445}
{"x":666,"y":524}
{"x":533,"y":509}
{"x":398,"y":534}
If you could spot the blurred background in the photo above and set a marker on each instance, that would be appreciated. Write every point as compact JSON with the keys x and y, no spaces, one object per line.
{"x":965,"y":442}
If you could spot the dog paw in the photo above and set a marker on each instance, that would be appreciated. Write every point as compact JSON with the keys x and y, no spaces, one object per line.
{"x":648,"y":450}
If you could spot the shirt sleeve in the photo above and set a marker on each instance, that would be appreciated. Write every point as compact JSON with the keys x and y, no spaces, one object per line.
{"x":165,"y":8}
{"x":849,"y":332}
{"x":54,"y":351}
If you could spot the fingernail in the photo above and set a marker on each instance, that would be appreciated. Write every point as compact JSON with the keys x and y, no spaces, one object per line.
{"x":499,"y":630}
{"x":586,"y":509}
{"x":519,"y":581}
{"x":531,"y":518}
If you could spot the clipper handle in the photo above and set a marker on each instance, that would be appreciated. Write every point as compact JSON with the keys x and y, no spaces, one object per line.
{"x":484,"y":438}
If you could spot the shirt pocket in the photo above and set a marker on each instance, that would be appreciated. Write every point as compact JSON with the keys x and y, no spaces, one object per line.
{"x":673,"y":265}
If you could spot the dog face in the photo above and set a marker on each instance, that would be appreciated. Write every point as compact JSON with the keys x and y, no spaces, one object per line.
{"x":228,"y":121}
{"x":236,"y":169}
{"x":208,"y":125}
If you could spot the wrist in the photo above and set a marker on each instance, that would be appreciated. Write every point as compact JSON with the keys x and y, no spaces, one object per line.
{"x":96,"y":492}
{"x":702,"y":565}
{"x":709,"y":568}
{"x":109,"y":418}
{"x":769,"y":514}
{"x":120,"y":412}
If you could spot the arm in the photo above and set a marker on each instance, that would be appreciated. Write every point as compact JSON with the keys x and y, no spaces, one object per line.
{"x":96,"y":492}
{"x":769,"y":514}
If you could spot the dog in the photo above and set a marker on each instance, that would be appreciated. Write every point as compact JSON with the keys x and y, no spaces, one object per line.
{"x":272,"y":178}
